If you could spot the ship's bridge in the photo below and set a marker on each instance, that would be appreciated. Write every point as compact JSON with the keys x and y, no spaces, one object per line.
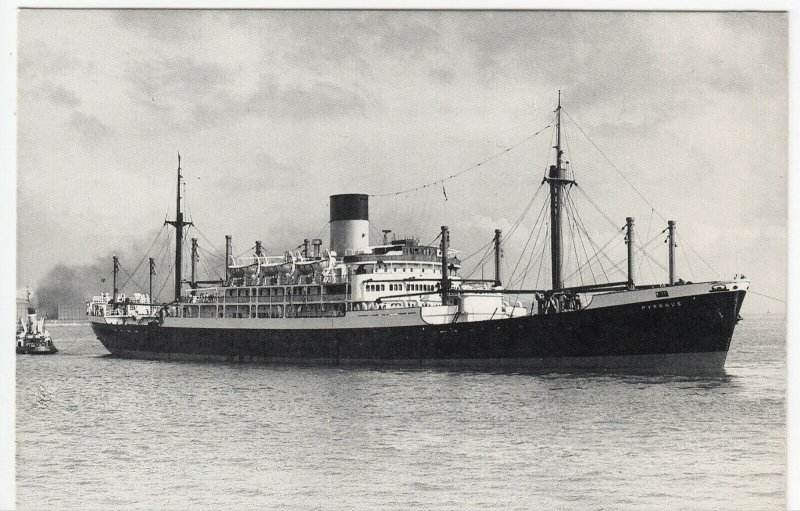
{"x":402,"y":267}
{"x":401,"y":250}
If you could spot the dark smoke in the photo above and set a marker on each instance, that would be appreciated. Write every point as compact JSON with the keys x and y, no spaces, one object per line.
{"x":71,"y":286}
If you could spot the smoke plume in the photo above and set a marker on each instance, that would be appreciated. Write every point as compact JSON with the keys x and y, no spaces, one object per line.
{"x":71,"y":286}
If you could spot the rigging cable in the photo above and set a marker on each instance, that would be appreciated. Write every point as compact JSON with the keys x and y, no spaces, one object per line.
{"x":594,"y":245}
{"x":688,"y":263}
{"x":612,"y":165}
{"x":321,"y":231}
{"x":572,"y":236}
{"x":541,"y":259}
{"x":767,"y":296}
{"x":522,"y":254}
{"x":698,"y":255}
{"x":145,"y":255}
{"x":161,"y":257}
{"x":610,"y":221}
{"x":634,"y":187}
{"x":521,"y":279}
{"x":460,"y":172}
{"x":169,"y":275}
{"x":206,"y":261}
{"x":649,"y":226}
{"x":518,"y":222}
{"x":643,"y":251}
{"x":482,"y":261}
{"x":479,"y":265}
{"x":130,"y":277}
{"x":571,"y":203}
{"x":216,"y":250}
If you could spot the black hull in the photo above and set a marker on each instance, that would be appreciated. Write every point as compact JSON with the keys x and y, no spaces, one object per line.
{"x":652,"y":336}
{"x":31,"y":351}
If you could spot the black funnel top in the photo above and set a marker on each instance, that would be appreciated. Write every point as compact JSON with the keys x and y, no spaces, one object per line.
{"x":349,"y":206}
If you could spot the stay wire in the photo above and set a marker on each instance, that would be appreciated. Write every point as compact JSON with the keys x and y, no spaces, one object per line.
{"x":522,"y":254}
{"x":572,"y":236}
{"x":649,"y":226}
{"x":541,"y":258}
{"x":483,"y":247}
{"x":571,"y":203}
{"x":528,"y":266}
{"x":612,"y":165}
{"x":595,"y":247}
{"x":452,"y":176}
{"x":145,"y":255}
{"x":128,"y":279}
{"x":649,"y":265}
{"x":210,"y":243}
{"x":698,"y":255}
{"x":608,"y":218}
{"x":161,"y":258}
{"x":642,"y":250}
{"x":767,"y":296}
{"x":634,"y":187}
{"x":482,"y":261}
{"x":688,"y":262}
{"x":534,"y":250}
{"x":519,"y":220}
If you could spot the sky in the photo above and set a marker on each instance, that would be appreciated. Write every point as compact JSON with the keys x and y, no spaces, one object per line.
{"x":273,"y":111}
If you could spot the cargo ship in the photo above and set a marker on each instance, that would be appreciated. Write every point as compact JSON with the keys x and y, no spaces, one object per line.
{"x":402,"y":303}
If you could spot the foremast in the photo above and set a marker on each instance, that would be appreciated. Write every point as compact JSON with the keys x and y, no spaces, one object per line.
{"x":178,"y":224}
{"x":559,"y":182}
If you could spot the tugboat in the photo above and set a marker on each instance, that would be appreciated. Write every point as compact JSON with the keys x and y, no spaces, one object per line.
{"x":402,"y":303}
{"x":32,"y":337}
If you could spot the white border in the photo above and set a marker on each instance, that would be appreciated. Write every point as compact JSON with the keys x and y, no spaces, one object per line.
{"x":8,"y":57}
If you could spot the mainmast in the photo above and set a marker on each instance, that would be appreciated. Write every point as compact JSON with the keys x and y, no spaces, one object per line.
{"x":558,"y":181}
{"x":179,"y":224}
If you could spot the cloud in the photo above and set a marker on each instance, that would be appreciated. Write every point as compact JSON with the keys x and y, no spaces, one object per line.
{"x":263,"y":172}
{"x":53,"y":92}
{"x":61,"y":95}
{"x":188,"y":94}
{"x":90,"y":127}
{"x":163,"y":25}
{"x":163,"y":80}
{"x":319,"y":98}
{"x":442,"y":75}
{"x":37,"y":57}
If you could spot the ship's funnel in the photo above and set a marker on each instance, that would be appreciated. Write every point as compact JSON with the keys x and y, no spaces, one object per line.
{"x":349,"y":222}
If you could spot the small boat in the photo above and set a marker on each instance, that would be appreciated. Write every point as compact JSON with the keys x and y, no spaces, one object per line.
{"x":32,"y":337}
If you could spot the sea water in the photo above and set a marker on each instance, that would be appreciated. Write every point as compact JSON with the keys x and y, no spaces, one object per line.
{"x":96,"y":432}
